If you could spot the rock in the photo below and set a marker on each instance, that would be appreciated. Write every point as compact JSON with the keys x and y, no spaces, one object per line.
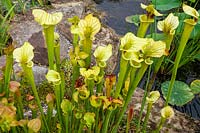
{"x":2,"y":65}
{"x":178,"y":124}
{"x":2,"y":61}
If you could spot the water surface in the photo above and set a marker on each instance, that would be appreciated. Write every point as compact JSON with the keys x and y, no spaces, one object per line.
{"x":116,"y":12}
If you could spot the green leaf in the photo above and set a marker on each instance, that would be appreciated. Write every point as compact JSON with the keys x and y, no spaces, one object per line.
{"x":197,"y":56}
{"x":192,"y":1}
{"x":134,"y":19}
{"x":181,"y":93}
{"x":156,"y":36}
{"x":195,"y":32}
{"x":195,"y":86}
{"x":166,"y":4}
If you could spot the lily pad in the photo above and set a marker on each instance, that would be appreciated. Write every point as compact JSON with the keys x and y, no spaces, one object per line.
{"x":164,"y":5}
{"x":195,"y":86}
{"x":181,"y":93}
{"x":133,"y":19}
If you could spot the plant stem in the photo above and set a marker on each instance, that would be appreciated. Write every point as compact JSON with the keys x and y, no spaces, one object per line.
{"x":75,"y":76}
{"x":99,"y":86}
{"x":8,"y":71}
{"x":20,"y":106}
{"x":67,"y":123}
{"x":80,"y":127}
{"x":185,"y":36}
{"x":14,"y":130}
{"x":122,"y":74}
{"x":49,"y":38}
{"x":75,"y":40}
{"x":132,"y":74}
{"x":127,"y":126}
{"x":57,"y":56}
{"x":62,"y":85}
{"x":106,"y":121}
{"x":143,"y":28}
{"x":147,"y":90}
{"x":87,"y":47}
{"x":90,"y":84}
{"x":49,"y":114}
{"x":77,"y":121}
{"x":97,"y":130}
{"x":149,"y":107}
{"x":131,"y":90}
{"x":29,"y":73}
{"x":58,"y":102}
{"x":162,"y":121}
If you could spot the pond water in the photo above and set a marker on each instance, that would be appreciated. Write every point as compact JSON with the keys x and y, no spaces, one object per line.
{"x":116,"y":12}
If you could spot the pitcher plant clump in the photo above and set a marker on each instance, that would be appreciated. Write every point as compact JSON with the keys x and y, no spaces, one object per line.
{"x":95,"y":101}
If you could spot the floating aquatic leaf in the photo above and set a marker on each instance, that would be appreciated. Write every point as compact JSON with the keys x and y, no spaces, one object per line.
{"x":195,"y":86}
{"x":133,"y":19}
{"x":166,"y":4}
{"x":181,"y":93}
